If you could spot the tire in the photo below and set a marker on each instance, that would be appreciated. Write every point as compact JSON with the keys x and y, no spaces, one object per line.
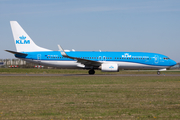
{"x":158,"y":72}
{"x":91,"y":72}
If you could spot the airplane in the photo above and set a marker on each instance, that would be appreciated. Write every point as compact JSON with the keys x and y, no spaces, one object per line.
{"x":27,"y":50}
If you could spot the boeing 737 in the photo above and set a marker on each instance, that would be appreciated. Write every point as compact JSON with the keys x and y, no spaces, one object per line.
{"x":27,"y":50}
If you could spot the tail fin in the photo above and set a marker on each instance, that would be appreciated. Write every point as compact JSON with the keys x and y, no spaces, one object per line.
{"x":22,"y":41}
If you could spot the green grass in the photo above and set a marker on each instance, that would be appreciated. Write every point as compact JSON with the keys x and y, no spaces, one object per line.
{"x":73,"y":97}
{"x":72,"y":71}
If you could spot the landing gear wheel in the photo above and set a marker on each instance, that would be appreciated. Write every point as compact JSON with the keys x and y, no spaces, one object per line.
{"x":91,"y":72}
{"x":158,"y":72}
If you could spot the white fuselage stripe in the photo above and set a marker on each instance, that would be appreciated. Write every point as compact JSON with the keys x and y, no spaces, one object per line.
{"x":75,"y":64}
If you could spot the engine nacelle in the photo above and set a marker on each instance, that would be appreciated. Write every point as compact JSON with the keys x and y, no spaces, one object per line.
{"x":109,"y":68}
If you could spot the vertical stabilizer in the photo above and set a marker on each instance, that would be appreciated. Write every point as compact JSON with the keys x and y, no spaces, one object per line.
{"x":22,"y":40}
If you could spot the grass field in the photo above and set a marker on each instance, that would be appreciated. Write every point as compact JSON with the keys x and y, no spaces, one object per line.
{"x":89,"y":97}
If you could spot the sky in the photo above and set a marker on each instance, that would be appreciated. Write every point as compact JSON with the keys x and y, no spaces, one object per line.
{"x":92,"y":25}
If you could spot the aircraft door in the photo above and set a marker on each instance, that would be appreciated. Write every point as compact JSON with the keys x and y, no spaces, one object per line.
{"x":104,"y":58}
{"x":100,"y":58}
{"x":39,"y":57}
{"x":156,"y":59}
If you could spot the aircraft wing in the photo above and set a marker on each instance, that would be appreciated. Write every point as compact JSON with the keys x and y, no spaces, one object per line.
{"x":80,"y":60}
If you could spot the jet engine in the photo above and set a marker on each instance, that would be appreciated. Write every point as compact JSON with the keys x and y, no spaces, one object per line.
{"x":109,"y":68}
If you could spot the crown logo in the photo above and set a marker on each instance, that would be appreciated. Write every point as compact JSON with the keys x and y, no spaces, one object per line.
{"x":22,"y":37}
{"x":111,"y":67}
{"x":126,"y":55}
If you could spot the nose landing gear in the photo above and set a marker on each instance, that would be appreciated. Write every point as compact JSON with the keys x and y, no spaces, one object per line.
{"x":158,"y":72}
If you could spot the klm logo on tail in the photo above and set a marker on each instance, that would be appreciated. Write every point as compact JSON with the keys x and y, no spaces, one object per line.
{"x":22,"y":40}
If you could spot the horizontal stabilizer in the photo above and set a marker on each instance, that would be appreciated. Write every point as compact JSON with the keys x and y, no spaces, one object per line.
{"x":17,"y":53}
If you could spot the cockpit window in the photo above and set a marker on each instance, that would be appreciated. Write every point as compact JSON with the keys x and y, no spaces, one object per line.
{"x":166,"y":58}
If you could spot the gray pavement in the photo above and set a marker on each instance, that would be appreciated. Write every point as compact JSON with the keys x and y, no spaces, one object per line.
{"x":89,"y":75}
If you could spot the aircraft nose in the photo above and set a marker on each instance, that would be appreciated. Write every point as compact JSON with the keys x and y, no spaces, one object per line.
{"x":173,"y":62}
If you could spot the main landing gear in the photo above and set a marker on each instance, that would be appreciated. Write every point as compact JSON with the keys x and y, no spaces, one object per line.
{"x":158,"y":72}
{"x":91,"y":71}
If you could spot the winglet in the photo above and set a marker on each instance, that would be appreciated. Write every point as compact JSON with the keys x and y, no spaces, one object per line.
{"x":62,"y":51}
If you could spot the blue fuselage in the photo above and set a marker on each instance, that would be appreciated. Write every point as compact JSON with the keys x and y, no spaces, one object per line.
{"x":138,"y":60}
